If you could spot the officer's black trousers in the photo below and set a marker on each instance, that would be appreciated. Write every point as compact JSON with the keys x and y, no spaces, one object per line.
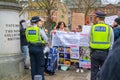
{"x":37,"y":60}
{"x":97,"y":59}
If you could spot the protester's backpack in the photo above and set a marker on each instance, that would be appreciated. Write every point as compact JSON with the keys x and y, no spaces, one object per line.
{"x":51,"y":66}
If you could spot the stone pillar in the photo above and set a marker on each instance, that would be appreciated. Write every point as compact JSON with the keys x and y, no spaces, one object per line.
{"x":11,"y":58}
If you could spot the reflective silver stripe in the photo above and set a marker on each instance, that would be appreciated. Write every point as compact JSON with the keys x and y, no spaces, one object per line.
{"x":108,"y":33}
{"x":107,"y":42}
{"x":92,"y":34}
{"x":101,"y":42}
{"x":39,"y":35}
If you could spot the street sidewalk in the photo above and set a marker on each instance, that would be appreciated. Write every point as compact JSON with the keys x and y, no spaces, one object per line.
{"x":71,"y":74}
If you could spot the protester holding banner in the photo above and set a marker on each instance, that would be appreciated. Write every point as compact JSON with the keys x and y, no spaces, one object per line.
{"x":61,"y":26}
{"x":101,"y":40}
{"x":79,"y":29}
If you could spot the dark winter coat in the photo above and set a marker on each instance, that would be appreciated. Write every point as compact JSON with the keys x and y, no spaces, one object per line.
{"x":116,"y":32}
{"x":23,"y":40}
{"x":111,"y":68}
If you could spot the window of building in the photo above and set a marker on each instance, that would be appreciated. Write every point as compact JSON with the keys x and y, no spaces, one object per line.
{"x":91,"y":18}
{"x":96,"y":0}
{"x":110,"y":10}
{"x":118,"y":9}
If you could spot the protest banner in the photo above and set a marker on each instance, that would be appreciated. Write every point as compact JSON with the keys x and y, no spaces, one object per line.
{"x":65,"y":39}
{"x":69,"y":46}
{"x":110,"y":19}
{"x":84,"y":36}
{"x":84,"y":47}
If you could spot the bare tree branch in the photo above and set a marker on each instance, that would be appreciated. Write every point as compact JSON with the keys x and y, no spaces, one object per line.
{"x":83,"y":5}
{"x":52,"y":2}
{"x":93,"y":2}
{"x":40,"y":4}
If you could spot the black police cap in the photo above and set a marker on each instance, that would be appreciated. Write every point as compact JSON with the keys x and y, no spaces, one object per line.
{"x":35,"y":19}
{"x":100,"y":14}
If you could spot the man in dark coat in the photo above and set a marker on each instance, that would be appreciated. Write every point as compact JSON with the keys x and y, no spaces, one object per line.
{"x":24,"y":43}
{"x":111,"y":68}
{"x":116,"y":28}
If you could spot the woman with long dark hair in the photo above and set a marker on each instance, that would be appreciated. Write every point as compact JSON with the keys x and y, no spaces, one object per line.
{"x":61,"y":26}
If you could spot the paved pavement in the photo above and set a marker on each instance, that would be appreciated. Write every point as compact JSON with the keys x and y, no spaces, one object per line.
{"x":71,"y":74}
{"x":68,"y":75}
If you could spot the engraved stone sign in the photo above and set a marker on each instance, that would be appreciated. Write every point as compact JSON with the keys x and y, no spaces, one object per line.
{"x":11,"y":59}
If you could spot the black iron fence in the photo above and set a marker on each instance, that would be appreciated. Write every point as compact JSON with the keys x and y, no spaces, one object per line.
{"x":13,"y":1}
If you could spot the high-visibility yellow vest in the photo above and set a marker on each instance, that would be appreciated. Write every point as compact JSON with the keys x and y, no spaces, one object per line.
{"x":100,"y":37}
{"x":33,"y":35}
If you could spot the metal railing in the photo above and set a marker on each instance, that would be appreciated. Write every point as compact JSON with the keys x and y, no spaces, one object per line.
{"x":13,"y":1}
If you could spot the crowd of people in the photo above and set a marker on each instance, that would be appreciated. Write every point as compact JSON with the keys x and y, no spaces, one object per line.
{"x":104,"y":46}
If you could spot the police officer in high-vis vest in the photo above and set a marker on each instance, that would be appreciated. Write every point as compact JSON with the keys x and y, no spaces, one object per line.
{"x":37,"y":39}
{"x":101,"y":40}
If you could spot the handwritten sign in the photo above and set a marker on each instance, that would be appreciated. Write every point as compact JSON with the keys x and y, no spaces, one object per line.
{"x":109,"y":20}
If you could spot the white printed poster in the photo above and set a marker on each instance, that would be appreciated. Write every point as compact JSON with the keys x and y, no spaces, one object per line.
{"x":85,"y":64}
{"x":86,"y":29}
{"x":69,"y":47}
{"x":84,"y":39}
{"x":74,"y":52}
{"x":65,"y":39}
{"x":84,"y":36}
{"x":70,"y":39}
{"x":109,"y":20}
